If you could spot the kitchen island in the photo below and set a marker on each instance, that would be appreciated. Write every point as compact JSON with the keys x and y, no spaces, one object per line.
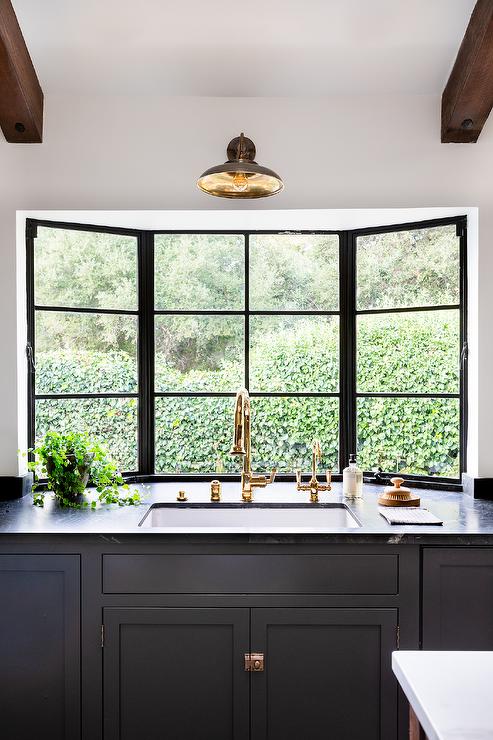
{"x":448,"y":693}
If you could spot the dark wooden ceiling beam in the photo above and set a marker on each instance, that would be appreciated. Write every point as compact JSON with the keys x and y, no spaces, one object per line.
{"x":21,"y":96}
{"x":468,"y":96}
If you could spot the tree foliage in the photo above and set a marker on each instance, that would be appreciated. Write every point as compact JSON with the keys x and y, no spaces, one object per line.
{"x":396,"y":353}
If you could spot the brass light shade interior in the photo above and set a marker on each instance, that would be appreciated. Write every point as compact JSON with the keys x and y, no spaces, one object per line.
{"x":240,"y":176}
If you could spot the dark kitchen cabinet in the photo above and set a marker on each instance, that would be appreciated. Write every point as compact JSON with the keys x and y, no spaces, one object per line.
{"x":40,"y":647}
{"x":327,"y":674}
{"x":457,"y":598}
{"x":136,"y":637}
{"x":176,"y":673}
{"x":179,"y":673}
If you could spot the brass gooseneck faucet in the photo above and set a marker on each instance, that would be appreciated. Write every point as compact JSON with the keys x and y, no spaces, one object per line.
{"x":242,"y":446}
{"x":314,"y":486}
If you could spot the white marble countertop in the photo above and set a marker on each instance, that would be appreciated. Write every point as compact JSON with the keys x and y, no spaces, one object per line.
{"x":450,"y":692}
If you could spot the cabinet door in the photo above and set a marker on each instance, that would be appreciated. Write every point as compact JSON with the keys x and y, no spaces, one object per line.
{"x":176,"y":673}
{"x":39,"y":647}
{"x":457,"y":599}
{"x":327,"y":674}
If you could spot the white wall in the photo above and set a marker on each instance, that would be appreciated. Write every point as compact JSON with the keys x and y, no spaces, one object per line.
{"x":338,"y":153}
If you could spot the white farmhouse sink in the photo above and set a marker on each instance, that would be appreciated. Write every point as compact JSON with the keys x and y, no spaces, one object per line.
{"x":265,"y":517}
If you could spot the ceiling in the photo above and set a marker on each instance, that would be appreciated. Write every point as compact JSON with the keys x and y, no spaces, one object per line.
{"x":255,"y":48}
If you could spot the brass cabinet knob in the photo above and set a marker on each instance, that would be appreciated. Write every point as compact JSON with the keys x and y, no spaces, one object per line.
{"x":182,"y":496}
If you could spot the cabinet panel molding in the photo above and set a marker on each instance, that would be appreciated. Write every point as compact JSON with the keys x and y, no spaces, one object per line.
{"x":40,"y":647}
{"x":176,"y":673}
{"x":458,"y":598}
{"x":251,"y":573}
{"x":327,"y":674}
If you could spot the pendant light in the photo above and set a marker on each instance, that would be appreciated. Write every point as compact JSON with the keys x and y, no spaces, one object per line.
{"x":240,"y":176}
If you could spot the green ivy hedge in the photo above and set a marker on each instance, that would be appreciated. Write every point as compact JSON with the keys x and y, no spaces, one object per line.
{"x":398,"y":353}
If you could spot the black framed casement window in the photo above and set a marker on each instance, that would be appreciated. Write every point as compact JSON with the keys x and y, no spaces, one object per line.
{"x":357,"y":338}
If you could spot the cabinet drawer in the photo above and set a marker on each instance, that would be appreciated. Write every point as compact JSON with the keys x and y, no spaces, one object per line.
{"x":258,"y":574}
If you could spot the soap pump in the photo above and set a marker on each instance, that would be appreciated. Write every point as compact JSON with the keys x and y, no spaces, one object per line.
{"x":352,"y":479}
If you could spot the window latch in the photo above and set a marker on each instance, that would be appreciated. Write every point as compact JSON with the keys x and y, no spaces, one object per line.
{"x":464,"y":354}
{"x":30,"y":358}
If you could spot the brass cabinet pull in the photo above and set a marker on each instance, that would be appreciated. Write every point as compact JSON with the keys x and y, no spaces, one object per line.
{"x":254,"y":662}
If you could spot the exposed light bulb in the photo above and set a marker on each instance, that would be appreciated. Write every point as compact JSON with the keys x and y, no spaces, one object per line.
{"x":240,"y":182}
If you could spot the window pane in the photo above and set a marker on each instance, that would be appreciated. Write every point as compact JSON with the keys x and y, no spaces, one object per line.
{"x":283,"y":430}
{"x":418,"y":436}
{"x":409,"y":352}
{"x":199,"y":353}
{"x":111,"y":421}
{"x":194,"y":435}
{"x":85,"y":353}
{"x":82,"y":268}
{"x":408,"y":268}
{"x":294,"y":272}
{"x":294,"y":354}
{"x":199,"y":271}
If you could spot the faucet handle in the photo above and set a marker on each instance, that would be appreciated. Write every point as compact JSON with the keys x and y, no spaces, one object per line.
{"x":300,"y":486}
{"x":260,"y":481}
{"x":326,"y":486}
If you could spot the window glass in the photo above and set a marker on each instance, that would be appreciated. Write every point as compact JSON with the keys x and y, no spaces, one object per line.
{"x":85,"y":353}
{"x":283,"y":340}
{"x":192,"y":432}
{"x":409,"y":435}
{"x":199,"y":271}
{"x":294,"y":272}
{"x":194,"y":435}
{"x":84,"y":269}
{"x":284,"y":430}
{"x":112,"y":421}
{"x":294,"y":354}
{"x":414,"y":352}
{"x":408,"y":268}
{"x":199,"y":353}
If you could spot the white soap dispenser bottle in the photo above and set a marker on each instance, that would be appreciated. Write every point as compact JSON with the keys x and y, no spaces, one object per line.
{"x":352,"y":479}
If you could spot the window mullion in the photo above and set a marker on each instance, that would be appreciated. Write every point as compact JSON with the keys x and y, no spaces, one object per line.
{"x":347,"y":262}
{"x":247,"y":310}
{"x":146,"y":353}
{"x":461,"y":231}
{"x":31,"y":234}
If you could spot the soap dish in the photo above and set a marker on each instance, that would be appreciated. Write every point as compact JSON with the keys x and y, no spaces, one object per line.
{"x":397,"y":495}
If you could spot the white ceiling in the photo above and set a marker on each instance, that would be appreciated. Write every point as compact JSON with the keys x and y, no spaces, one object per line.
{"x":255,"y":48}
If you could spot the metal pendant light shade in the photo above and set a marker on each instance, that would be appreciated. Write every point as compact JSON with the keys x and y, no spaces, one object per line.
{"x":240,"y":176}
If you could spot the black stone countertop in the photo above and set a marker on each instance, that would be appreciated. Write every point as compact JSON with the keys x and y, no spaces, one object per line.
{"x":466,"y":521}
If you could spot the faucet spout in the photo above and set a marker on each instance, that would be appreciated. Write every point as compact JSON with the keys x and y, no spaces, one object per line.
{"x":241,"y":436}
{"x":242,"y":446}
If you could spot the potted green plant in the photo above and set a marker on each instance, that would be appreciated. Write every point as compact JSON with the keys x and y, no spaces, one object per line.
{"x":68,"y":461}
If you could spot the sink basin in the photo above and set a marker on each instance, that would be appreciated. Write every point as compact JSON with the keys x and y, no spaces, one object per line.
{"x":265,"y":517}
